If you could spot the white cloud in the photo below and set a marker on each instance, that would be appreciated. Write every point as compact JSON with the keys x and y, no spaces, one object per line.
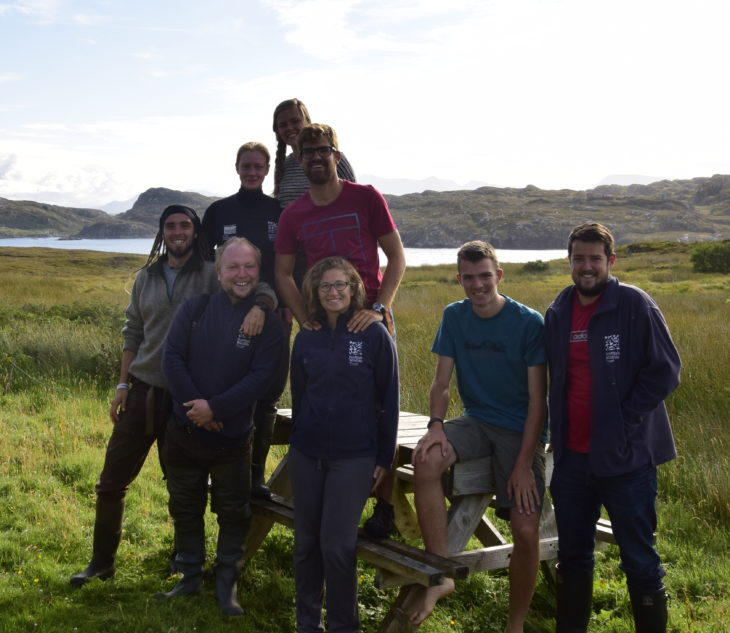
{"x":332,"y":30}
{"x":147,"y":54}
{"x":556,"y":93}
{"x":7,"y":166}
{"x":44,"y":11}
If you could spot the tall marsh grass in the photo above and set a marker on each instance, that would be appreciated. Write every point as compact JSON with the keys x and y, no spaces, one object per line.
{"x":60,"y":321}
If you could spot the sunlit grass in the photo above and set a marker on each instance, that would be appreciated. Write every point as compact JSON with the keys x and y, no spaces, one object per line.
{"x":60,"y":321}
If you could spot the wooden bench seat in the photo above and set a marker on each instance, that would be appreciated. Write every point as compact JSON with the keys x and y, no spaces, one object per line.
{"x":408,"y":564}
{"x":469,"y":488}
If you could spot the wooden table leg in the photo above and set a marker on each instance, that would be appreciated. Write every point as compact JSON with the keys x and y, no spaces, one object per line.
{"x":397,"y":619}
{"x":465,"y":514}
{"x":260,"y":526}
{"x":405,"y":518}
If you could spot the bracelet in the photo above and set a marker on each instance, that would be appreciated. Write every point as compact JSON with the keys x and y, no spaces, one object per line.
{"x":432,"y":420}
{"x":122,"y":385}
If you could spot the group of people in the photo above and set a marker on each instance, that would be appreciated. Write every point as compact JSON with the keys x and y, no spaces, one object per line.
{"x":206,"y":356}
{"x":611,"y":364}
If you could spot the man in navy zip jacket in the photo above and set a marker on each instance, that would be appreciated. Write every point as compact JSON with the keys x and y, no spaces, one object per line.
{"x":215,"y":375}
{"x":612,"y":363}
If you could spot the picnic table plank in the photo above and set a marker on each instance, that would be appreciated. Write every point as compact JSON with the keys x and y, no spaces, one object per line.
{"x":470,"y":491}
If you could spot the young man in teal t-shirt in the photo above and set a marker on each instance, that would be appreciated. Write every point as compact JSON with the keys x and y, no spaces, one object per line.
{"x":496,"y":346}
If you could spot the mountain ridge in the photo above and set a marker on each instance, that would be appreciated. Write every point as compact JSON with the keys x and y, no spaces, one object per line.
{"x":697,"y":209}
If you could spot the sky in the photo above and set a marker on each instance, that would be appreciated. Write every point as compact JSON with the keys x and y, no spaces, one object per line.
{"x":100,"y":100}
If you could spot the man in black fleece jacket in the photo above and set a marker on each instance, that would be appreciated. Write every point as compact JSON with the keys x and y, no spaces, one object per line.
{"x":215,"y":375}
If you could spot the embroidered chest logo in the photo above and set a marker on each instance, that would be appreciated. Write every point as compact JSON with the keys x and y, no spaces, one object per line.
{"x":354,"y":356}
{"x":229,"y":230}
{"x":613,"y":347}
{"x":271,"y":229}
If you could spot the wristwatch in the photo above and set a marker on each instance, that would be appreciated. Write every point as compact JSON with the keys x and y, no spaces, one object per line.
{"x":263,"y":305}
{"x":379,"y":307}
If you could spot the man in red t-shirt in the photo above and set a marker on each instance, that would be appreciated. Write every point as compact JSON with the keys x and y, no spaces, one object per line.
{"x":612,"y":363}
{"x":337,"y":217}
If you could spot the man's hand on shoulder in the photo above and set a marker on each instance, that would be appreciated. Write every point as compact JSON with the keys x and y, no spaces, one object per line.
{"x":312,"y":325}
{"x":363,"y":319}
{"x":253,"y":322}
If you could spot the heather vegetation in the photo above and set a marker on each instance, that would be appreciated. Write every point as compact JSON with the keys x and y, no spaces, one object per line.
{"x":60,"y":317}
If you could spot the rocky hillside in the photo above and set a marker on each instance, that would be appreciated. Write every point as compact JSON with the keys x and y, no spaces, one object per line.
{"x":141,"y":219}
{"x":685,"y":210}
{"x":23,"y":218}
{"x":674,"y":210}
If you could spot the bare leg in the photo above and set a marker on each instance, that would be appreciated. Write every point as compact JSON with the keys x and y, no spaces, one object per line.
{"x":432,"y":518}
{"x":523,"y":567}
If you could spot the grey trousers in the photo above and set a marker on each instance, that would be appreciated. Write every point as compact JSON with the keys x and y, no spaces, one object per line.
{"x":329,"y":496}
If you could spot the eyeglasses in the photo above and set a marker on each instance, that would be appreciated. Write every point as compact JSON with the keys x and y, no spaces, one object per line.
{"x":323,"y":151}
{"x":338,"y":285}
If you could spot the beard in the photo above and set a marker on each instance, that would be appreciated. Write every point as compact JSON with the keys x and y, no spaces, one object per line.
{"x":319,"y":177}
{"x":594,"y":290}
{"x":179,"y":250}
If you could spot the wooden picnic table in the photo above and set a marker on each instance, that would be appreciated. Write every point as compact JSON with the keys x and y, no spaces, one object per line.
{"x":470,"y":490}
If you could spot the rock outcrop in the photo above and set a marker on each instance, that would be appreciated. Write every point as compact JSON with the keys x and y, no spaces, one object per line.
{"x":528,"y":218}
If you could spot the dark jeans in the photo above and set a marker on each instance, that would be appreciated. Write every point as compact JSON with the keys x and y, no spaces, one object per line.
{"x":328,"y":500}
{"x":143,"y":423}
{"x":630,"y":502}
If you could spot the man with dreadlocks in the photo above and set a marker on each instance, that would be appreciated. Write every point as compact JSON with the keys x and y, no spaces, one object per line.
{"x":175,"y":270}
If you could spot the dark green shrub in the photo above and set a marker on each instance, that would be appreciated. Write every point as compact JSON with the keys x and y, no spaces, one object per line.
{"x":538,"y":266}
{"x":711,"y":257}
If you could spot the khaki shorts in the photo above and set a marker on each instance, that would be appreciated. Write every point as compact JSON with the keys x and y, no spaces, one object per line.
{"x":473,"y":438}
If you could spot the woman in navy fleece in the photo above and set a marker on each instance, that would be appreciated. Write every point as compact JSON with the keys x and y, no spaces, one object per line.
{"x":345,"y":403}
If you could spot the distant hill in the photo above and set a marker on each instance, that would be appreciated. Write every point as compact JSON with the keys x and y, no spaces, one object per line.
{"x":684,"y":210}
{"x":675,"y":210}
{"x":402,"y":186}
{"x":24,"y":218}
{"x":628,"y":179}
{"x":117,"y":206}
{"x":141,"y":219}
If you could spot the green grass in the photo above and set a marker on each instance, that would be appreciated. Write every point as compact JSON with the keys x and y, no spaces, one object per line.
{"x":59,"y":351}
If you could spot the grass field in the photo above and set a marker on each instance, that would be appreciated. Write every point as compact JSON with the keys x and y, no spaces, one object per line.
{"x":60,"y":317}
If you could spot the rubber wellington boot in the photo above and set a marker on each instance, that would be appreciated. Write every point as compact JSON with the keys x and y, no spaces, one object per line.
{"x":232,"y":532}
{"x":574,"y":598}
{"x":188,"y":585}
{"x":107,"y":534}
{"x":189,"y":562}
{"x":226,"y":587}
{"x":650,"y":610}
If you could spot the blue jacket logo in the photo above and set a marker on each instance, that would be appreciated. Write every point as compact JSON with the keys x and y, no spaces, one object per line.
{"x":613,"y":347}
{"x":355,"y":353}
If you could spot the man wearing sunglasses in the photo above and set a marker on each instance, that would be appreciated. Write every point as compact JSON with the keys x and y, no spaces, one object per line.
{"x":337,"y":217}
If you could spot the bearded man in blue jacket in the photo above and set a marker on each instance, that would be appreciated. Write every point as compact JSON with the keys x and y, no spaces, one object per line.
{"x":612,"y":363}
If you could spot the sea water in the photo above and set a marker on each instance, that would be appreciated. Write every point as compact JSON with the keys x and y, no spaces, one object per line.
{"x":142,"y":246}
